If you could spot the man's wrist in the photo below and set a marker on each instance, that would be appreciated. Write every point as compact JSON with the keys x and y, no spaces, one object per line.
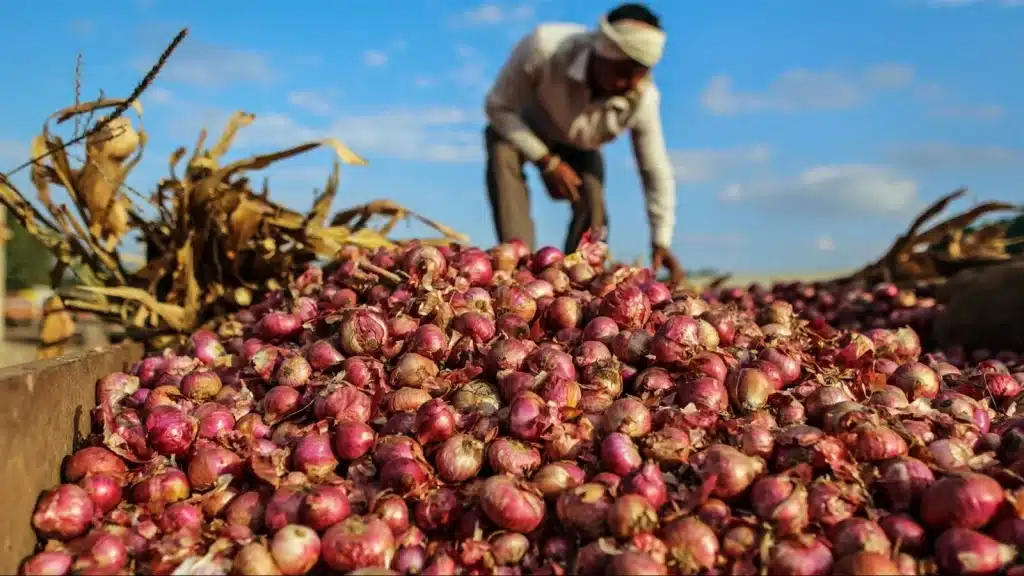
{"x":548,"y":163}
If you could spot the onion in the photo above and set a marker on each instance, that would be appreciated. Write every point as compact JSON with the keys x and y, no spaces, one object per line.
{"x":916,"y":380}
{"x":209,"y":464}
{"x":313,"y":455}
{"x":47,"y":564}
{"x":800,"y":555}
{"x":254,"y":559}
{"x":295,"y":549}
{"x":601,"y":329}
{"x":703,"y":392}
{"x":903,"y":481}
{"x":460,"y":458}
{"x":170,"y":431}
{"x":506,"y":456}
{"x":510,"y":505}
{"x":362,"y":332}
{"x":619,"y":455}
{"x":733,"y":470}
{"x":94,"y":460}
{"x":628,"y":416}
{"x":963,"y":551}
{"x":691,"y":544}
{"x":962,"y":500}
{"x":628,"y":306}
{"x":352,"y":440}
{"x":324,"y":506}
{"x":200,"y":386}
{"x":63,"y":513}
{"x":554,"y":478}
{"x":584,"y":510}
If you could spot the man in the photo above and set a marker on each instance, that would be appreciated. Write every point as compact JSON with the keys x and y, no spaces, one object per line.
{"x":563,"y":93}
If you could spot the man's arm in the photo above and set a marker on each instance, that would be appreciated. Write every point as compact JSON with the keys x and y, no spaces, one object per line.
{"x":511,"y":92}
{"x":655,"y":171}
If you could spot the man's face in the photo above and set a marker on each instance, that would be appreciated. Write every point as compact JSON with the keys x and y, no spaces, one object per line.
{"x":616,"y":77}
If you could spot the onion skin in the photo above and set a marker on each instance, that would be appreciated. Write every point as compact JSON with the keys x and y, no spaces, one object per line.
{"x":63,"y":513}
{"x":691,"y":544}
{"x":963,"y":551}
{"x":358,"y":542}
{"x":510,"y":506}
{"x":965,"y":500}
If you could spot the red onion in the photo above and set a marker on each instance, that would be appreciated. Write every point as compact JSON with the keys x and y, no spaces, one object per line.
{"x":460,"y":458}
{"x":619,"y":455}
{"x":800,"y":555}
{"x":362,"y":332}
{"x":324,"y":506}
{"x":352,"y":440}
{"x":554,"y":478}
{"x":314,"y":456}
{"x":295,"y":549}
{"x":916,"y":380}
{"x":628,"y":306}
{"x":254,"y":559}
{"x":583,"y":510}
{"x":703,"y":392}
{"x":170,"y":431}
{"x":962,"y":551}
{"x":343,"y":404}
{"x":903,"y":481}
{"x":962,"y":500}
{"x":628,"y":416}
{"x":208,"y":465}
{"x":47,"y":564}
{"x":63,"y":513}
{"x":435,"y":421}
{"x":601,"y":329}
{"x":691,"y":544}
{"x":294,"y":372}
{"x":94,"y":460}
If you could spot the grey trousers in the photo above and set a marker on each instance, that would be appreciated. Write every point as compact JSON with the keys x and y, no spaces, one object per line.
{"x":510,"y":197}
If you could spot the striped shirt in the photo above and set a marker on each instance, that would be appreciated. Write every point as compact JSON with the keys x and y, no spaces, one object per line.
{"x":541,"y":95}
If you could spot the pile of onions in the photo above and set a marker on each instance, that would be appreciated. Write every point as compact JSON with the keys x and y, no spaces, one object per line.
{"x":507,"y":413}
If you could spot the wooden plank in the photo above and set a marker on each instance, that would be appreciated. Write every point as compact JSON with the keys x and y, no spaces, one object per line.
{"x":44,"y":406}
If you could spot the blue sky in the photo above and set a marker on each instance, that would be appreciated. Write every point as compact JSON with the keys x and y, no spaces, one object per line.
{"x":805,"y":133}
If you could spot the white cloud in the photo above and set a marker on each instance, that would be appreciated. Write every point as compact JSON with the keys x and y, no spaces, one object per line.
{"x":210,"y":65}
{"x":424,"y":81}
{"x":490,"y":14}
{"x":432,"y":134}
{"x":435,"y":134}
{"x":310,"y":101}
{"x":157,"y":95}
{"x":985,"y":113}
{"x":825,"y":244}
{"x":802,"y":89}
{"x":472,"y":69}
{"x":375,"y":58}
{"x":928,"y":156}
{"x":707,"y":165}
{"x":838,"y":189}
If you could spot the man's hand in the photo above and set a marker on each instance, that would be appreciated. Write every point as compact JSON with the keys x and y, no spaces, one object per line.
{"x":560,"y":179}
{"x":662,"y":257}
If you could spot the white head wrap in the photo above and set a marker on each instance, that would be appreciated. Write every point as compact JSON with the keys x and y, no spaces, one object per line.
{"x":630,"y":40}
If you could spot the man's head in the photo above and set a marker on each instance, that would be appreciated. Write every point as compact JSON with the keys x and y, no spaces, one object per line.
{"x":629,"y":43}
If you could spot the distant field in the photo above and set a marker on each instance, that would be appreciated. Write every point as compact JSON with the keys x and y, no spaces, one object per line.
{"x":768,"y":278}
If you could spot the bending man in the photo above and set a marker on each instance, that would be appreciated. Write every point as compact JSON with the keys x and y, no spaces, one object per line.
{"x":563,"y":93}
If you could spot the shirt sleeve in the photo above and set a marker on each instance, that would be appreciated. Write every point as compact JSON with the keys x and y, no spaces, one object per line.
{"x":655,"y":170}
{"x":511,"y":92}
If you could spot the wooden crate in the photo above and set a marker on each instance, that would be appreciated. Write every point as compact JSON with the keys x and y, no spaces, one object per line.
{"x":44,"y":407}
